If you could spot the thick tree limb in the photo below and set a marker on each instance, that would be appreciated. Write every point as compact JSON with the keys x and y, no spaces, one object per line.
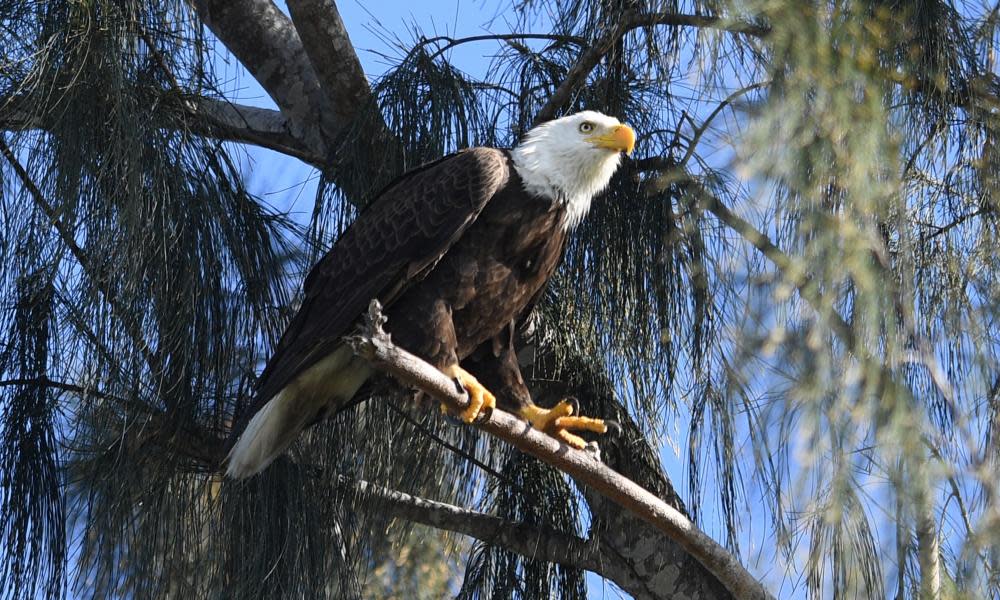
{"x":323,"y":104}
{"x":348,"y":96}
{"x":332,"y":55}
{"x":530,"y":541}
{"x":267,"y":44}
{"x":247,"y":124}
{"x":376,"y":346}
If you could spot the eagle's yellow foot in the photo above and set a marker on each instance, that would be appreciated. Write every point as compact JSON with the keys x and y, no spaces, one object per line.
{"x":480,"y":398}
{"x":558,"y":420}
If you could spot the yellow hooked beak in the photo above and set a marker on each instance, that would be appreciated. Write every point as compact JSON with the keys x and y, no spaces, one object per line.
{"x":620,"y":139}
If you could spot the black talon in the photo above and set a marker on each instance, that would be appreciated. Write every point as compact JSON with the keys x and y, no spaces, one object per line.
{"x":450,"y":418}
{"x":575,"y":403}
{"x":614,"y":428}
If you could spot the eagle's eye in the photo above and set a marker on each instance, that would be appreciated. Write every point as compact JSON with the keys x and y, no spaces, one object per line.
{"x":586,"y":127}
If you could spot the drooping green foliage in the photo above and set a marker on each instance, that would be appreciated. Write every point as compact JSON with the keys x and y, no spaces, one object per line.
{"x":793,"y":284}
{"x":141,"y":281}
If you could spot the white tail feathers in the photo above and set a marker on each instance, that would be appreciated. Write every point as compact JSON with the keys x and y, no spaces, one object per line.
{"x":332,"y":381}
{"x":268,"y":434}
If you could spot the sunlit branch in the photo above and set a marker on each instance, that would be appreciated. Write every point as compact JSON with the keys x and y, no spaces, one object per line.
{"x":701,"y":21}
{"x":231,"y":122}
{"x":332,"y":56}
{"x":267,"y":44}
{"x":375,"y":345}
{"x":928,"y":546}
{"x":221,"y":119}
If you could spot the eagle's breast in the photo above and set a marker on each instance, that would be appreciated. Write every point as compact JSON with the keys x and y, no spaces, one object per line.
{"x":498,"y":267}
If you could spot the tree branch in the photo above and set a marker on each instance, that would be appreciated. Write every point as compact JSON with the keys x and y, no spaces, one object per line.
{"x":266,"y":43}
{"x":210,"y":117}
{"x":375,"y":345}
{"x":332,"y":56}
{"x":262,"y":127}
{"x":795,"y":275}
{"x":45,"y":382}
{"x":450,"y":42}
{"x":703,"y":21}
{"x":531,"y":541}
{"x":670,"y":173}
{"x":654,"y":566}
{"x":348,"y":96}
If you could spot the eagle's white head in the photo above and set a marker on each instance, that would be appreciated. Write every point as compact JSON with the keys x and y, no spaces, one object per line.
{"x":572,"y":159}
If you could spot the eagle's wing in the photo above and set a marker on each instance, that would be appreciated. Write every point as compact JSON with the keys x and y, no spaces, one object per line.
{"x":402,"y":234}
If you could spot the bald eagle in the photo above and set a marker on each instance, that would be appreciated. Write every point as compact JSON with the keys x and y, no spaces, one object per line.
{"x":458,"y":251}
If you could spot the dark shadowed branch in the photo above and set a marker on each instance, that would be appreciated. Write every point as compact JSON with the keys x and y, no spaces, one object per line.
{"x":210,"y":117}
{"x":528,"y":540}
{"x":531,"y":541}
{"x":375,"y":345}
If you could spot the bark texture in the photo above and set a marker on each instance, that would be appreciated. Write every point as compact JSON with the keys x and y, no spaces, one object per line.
{"x":267,"y":44}
{"x":583,"y":465}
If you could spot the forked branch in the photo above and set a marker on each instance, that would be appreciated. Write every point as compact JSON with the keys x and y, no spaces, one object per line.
{"x":375,"y":345}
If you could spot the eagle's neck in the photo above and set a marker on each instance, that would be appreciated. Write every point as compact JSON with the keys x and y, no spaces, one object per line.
{"x":570,"y":178}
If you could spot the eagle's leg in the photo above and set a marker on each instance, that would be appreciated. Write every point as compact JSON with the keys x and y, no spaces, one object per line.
{"x":480,"y":398}
{"x":559,"y":421}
